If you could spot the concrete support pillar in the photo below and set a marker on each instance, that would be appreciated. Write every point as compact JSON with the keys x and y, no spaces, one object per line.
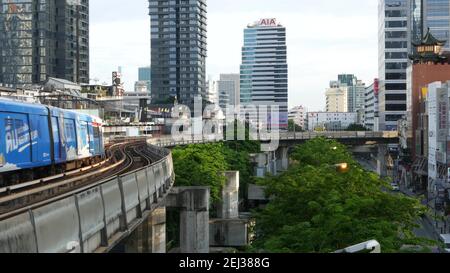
{"x":284,"y":154}
{"x":229,"y":208}
{"x":150,"y":236}
{"x":134,"y":243}
{"x":273,"y":163}
{"x":381,"y":160}
{"x":157,"y":231}
{"x":193,"y":203}
{"x":261,"y":164}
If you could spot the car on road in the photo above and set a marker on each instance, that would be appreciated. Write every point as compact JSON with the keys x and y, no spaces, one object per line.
{"x":395,"y":187}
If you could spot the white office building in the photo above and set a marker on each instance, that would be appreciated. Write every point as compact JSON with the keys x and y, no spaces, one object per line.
{"x":298,"y":115}
{"x":325,"y":121}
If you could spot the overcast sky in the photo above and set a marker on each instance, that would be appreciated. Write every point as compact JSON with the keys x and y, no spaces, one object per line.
{"x":324,"y":38}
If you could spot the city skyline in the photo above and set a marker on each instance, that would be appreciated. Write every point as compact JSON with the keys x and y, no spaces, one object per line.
{"x":310,"y":46}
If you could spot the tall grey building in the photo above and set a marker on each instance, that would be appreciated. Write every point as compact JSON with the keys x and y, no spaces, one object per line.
{"x":234,"y":84}
{"x":264,"y":70}
{"x":432,"y":14}
{"x":355,"y":91}
{"x":178,"y":43}
{"x":228,"y":88}
{"x":41,"y":39}
{"x":394,"y":45}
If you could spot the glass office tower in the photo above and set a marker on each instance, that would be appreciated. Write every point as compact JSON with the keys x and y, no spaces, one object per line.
{"x":436,"y":16}
{"x":41,"y":39}
{"x":264,"y":70}
{"x":178,"y":55}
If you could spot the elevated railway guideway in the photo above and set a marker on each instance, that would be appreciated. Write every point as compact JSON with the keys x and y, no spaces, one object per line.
{"x":90,"y":211}
{"x":292,"y":138}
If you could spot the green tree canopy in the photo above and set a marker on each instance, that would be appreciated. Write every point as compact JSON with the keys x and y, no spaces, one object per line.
{"x":317,"y":209}
{"x":293,"y":127}
{"x":203,"y":164}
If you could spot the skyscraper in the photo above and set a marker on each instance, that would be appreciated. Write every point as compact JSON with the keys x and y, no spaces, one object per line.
{"x":229,"y":87}
{"x":432,"y":14}
{"x":394,"y":45}
{"x":41,"y":39}
{"x":264,"y":69}
{"x":178,"y":43}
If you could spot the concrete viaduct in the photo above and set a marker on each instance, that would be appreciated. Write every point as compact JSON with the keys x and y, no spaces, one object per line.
{"x":97,"y":218}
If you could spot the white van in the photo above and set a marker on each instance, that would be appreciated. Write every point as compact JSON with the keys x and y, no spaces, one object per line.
{"x":445,"y":239}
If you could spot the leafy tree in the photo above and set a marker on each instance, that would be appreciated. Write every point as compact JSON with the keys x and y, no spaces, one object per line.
{"x":201,"y":165}
{"x":317,"y":209}
{"x":293,"y":127}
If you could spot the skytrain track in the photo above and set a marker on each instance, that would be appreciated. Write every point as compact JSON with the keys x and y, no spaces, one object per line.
{"x":122,"y":157}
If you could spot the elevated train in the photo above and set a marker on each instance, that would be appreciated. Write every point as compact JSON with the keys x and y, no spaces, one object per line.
{"x":37,"y":141}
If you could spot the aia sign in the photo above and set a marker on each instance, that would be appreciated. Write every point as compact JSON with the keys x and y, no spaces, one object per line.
{"x":271,"y":22}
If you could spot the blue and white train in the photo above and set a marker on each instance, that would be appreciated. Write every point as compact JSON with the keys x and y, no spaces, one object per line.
{"x":38,"y":141}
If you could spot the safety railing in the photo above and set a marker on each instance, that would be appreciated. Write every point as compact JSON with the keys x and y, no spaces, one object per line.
{"x":89,"y":218}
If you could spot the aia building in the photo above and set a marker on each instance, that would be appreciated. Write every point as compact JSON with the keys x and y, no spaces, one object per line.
{"x":264,"y":71}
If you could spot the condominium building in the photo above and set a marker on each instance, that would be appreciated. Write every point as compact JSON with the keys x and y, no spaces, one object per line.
{"x":178,"y":55}
{"x":43,"y":39}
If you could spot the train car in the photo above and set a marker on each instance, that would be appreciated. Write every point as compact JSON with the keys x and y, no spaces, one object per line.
{"x":38,"y":141}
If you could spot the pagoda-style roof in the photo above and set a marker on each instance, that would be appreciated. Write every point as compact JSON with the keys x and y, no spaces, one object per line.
{"x":428,"y":50}
{"x":430,"y":40}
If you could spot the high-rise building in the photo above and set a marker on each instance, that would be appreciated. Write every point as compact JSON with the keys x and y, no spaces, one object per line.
{"x":336,"y":98}
{"x":229,"y":84}
{"x":394,"y":45}
{"x":145,"y":75}
{"x":41,"y":39}
{"x":264,"y":70}
{"x":178,"y":43}
{"x":433,"y":15}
